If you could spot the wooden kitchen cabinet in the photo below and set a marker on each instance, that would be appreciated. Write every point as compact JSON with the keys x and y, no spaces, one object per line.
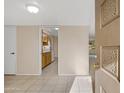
{"x":46,"y":59}
{"x":45,"y":39}
{"x":43,"y":60}
{"x":49,"y":57}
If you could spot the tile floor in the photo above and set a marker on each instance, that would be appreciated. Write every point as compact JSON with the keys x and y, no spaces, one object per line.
{"x":49,"y":82}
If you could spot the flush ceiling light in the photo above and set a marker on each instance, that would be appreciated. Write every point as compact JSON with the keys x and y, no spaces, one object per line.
{"x":32,"y":9}
{"x":56,"y":28}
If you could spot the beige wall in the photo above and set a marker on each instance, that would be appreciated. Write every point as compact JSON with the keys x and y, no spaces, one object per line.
{"x":28,"y":50}
{"x":73,"y":50}
{"x":52,"y":47}
{"x":55,"y":46}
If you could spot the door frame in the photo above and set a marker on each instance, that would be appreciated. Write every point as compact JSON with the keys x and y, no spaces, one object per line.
{"x":40,"y":50}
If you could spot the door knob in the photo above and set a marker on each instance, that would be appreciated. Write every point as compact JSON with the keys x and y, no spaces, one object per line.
{"x":96,"y":65}
{"x":12,"y":53}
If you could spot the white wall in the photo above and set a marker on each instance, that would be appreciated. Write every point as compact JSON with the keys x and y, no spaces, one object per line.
{"x":92,"y":20}
{"x":28,"y":50}
{"x":73,"y":54}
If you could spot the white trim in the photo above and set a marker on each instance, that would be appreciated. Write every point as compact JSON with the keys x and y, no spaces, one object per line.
{"x":9,"y":74}
{"x":16,"y":52}
{"x":40,"y":51}
{"x":71,"y":75}
{"x":28,"y":74}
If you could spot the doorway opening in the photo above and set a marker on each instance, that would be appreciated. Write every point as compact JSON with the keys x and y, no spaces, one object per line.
{"x":49,"y":50}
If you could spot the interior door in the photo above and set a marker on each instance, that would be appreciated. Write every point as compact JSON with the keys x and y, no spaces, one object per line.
{"x":9,"y":50}
{"x":107,"y":46}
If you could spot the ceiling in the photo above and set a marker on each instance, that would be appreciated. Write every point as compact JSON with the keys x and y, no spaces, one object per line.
{"x":52,"y":12}
{"x":51,"y":30}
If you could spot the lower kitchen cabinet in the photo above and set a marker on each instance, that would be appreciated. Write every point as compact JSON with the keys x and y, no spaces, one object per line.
{"x":46,"y":59}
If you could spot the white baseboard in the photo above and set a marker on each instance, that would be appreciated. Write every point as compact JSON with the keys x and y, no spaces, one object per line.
{"x":71,"y":75}
{"x":29,"y":74}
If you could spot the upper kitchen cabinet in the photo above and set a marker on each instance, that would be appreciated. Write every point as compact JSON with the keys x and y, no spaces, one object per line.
{"x":45,"y":38}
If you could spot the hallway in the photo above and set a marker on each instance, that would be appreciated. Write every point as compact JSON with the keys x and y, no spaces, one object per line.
{"x":51,"y":70}
{"x":49,"y":82}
